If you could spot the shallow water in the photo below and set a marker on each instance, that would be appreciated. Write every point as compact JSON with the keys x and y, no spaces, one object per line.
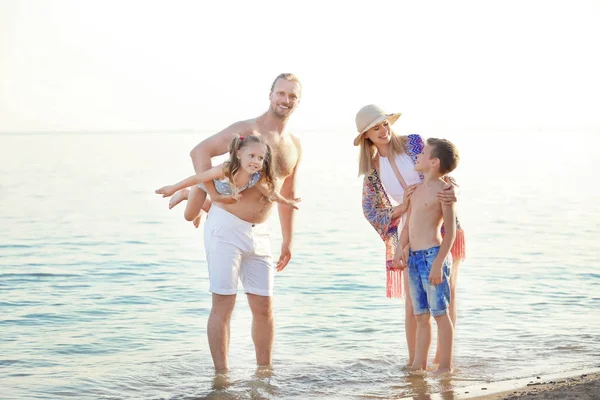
{"x":103,"y":291}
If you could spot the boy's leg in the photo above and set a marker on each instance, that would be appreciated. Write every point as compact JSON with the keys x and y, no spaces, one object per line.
{"x":418,"y":298}
{"x":445,"y":342}
{"x":453,"y":305}
{"x":196,"y":198}
{"x":423,"y":342}
{"x":439,"y":299}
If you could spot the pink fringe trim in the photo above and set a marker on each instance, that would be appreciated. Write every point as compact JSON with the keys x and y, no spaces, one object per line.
{"x":393,"y":282}
{"x":458,"y":248}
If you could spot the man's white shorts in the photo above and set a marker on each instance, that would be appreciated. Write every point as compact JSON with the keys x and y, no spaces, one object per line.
{"x":236,"y":249}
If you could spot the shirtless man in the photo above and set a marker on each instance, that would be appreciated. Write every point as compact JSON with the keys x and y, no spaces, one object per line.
{"x":236,"y":238}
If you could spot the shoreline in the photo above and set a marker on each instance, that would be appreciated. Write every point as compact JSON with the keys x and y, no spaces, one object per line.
{"x":578,"y":384}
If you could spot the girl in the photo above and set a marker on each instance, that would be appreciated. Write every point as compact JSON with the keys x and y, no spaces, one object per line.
{"x":249,"y":165}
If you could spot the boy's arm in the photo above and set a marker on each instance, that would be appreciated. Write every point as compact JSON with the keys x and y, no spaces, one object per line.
{"x":448,"y":194}
{"x":203,"y":177}
{"x":213,"y":146}
{"x":449,"y":217}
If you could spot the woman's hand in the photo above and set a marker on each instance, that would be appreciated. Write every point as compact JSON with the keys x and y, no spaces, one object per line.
{"x":447,"y":195}
{"x":403,"y":208}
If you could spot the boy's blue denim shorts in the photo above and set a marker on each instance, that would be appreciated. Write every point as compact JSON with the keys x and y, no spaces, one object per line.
{"x":425,"y":296}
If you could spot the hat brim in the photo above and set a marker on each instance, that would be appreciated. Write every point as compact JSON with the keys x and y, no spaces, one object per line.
{"x":391,"y":118}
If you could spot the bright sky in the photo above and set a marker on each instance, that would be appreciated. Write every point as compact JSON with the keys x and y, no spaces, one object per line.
{"x":201,"y":65}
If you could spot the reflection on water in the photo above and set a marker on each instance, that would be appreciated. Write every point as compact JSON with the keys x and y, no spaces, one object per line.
{"x":103,"y":291}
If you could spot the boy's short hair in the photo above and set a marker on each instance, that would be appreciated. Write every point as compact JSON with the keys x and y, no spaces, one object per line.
{"x":447,"y":153}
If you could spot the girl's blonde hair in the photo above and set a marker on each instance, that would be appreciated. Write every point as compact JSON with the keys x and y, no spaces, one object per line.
{"x":232,"y":167}
{"x":368,"y":151}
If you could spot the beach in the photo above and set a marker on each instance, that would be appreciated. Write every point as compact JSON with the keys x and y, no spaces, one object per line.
{"x":578,"y":385}
{"x":581,"y":387}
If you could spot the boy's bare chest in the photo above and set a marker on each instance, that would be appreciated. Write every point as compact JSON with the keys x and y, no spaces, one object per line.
{"x":424,"y":198}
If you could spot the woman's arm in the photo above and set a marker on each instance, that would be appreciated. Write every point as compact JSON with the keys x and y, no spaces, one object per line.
{"x":448,"y":194}
{"x":202,"y":177}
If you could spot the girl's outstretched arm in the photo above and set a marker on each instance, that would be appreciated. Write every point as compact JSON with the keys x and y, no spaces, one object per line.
{"x":202,"y":177}
{"x":274,"y":195}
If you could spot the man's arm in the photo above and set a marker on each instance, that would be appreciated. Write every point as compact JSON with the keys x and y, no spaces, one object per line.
{"x":213,"y":146}
{"x":286,"y":213}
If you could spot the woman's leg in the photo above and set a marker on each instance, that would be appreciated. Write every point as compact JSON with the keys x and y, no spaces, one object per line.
{"x":410,"y":322}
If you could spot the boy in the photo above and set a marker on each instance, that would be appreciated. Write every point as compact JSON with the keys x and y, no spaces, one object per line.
{"x":428,"y":259}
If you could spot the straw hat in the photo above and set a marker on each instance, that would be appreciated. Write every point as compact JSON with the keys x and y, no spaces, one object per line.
{"x":369,"y":116}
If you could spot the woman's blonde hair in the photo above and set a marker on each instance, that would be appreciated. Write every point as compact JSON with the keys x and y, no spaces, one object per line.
{"x":232,"y":167}
{"x":368,"y":151}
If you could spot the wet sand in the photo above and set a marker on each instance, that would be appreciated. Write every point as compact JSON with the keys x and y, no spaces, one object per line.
{"x":582,"y":387}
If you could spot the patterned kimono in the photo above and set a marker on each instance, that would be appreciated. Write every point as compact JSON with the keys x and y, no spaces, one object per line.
{"x":377,"y":209}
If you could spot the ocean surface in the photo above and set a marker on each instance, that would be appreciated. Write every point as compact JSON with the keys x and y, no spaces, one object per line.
{"x":103,"y":290}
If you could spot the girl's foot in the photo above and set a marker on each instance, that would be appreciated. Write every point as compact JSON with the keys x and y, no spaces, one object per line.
{"x":178,"y":197}
{"x":196,"y":220}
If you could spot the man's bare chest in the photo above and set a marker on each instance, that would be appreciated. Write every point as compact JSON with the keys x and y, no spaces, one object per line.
{"x":285,"y":157}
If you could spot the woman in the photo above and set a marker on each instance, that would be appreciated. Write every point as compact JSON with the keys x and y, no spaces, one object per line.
{"x":387,"y":162}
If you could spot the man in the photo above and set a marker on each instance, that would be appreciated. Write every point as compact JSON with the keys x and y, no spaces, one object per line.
{"x":228,"y":257}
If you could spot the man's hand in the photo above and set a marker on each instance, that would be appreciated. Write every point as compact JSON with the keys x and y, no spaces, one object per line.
{"x":447,"y":195}
{"x":435,"y":276}
{"x":284,"y":258}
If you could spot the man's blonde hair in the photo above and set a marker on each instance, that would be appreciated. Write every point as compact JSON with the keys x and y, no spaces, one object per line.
{"x":288,"y":77}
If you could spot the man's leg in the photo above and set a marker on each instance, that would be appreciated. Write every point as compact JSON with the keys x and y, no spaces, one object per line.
{"x":218,"y":329}
{"x":410,"y":321}
{"x":263,"y":327}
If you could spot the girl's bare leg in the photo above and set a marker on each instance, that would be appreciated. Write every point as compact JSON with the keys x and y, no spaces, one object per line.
{"x":195,"y":201}
{"x":178,"y":197}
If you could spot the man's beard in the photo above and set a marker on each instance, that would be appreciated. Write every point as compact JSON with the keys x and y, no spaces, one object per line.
{"x":278,"y":113}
